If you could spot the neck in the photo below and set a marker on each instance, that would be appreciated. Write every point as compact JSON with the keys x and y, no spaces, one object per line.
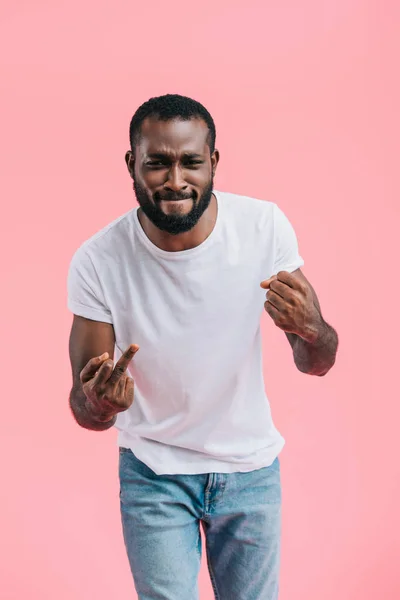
{"x":182,"y":241}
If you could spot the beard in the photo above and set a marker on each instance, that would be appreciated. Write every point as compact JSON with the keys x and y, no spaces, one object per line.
{"x":177,"y":223}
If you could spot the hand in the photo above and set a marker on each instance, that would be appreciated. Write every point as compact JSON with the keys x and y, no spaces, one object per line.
{"x":108,"y":391}
{"x":290,"y":303}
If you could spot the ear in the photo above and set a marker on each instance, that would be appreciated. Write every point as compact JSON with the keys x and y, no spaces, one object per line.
{"x":214,"y":161}
{"x":130,"y":162}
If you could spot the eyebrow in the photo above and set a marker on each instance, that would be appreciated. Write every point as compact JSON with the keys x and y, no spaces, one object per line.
{"x":166,"y":154}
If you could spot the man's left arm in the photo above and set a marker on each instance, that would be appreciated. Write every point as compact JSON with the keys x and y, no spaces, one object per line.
{"x":294,"y":307}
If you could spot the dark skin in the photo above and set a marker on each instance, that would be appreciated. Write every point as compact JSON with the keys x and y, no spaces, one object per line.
{"x":174,"y":156}
{"x":294,"y":307}
{"x":99,"y":391}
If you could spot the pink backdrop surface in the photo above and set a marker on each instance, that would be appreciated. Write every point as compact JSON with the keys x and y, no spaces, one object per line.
{"x":306,"y":100}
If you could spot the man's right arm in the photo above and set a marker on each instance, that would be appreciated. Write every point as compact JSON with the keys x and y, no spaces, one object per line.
{"x":88,"y":339}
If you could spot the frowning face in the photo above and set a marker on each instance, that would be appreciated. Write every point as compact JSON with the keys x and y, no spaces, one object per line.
{"x":173,"y":169}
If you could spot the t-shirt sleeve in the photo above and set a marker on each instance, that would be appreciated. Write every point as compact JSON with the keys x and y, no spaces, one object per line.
{"x":287,"y":257}
{"x":85,"y":294}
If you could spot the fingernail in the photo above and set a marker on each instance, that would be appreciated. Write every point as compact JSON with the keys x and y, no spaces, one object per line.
{"x":104,"y":355}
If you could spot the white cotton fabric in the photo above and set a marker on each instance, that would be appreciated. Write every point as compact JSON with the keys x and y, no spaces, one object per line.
{"x":200,"y":404}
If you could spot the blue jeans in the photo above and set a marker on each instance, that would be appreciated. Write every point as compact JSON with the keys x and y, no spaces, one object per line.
{"x":241,"y":517}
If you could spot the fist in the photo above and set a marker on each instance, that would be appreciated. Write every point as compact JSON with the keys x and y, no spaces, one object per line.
{"x":108,"y":390}
{"x":290,"y":304}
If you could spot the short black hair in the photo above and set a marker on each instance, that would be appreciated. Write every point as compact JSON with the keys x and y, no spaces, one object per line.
{"x":168,"y":107}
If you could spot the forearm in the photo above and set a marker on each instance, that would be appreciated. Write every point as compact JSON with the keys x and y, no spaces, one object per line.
{"x":316,"y":357}
{"x":82,"y":415}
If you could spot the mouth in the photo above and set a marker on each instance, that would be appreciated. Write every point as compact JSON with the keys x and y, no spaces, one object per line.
{"x":180,"y":203}
{"x":176,"y":206}
{"x":176,"y":199}
{"x":170,"y":196}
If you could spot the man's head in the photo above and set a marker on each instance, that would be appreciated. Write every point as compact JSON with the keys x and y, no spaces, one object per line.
{"x":172,"y":161}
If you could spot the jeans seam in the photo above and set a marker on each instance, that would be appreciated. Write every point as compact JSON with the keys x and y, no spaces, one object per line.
{"x":198,"y":547}
{"x":207,"y":495}
{"x":212,"y":576}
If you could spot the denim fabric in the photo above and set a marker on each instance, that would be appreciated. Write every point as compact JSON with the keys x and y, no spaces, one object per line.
{"x":240,"y":514}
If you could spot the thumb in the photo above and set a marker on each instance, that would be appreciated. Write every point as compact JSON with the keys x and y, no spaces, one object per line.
{"x":265,"y":284}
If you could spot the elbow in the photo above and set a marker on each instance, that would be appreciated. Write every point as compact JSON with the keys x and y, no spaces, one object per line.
{"x":325,"y":370}
{"x":323,"y":373}
{"x":316,"y":370}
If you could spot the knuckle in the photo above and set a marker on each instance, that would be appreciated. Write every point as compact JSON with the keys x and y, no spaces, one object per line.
{"x":107,"y":390}
{"x":121,"y":402}
{"x":126,"y":403}
{"x":297,"y":299}
{"x":291,"y":299}
{"x":83,"y":371}
{"x":98,"y":391}
{"x":304,"y":291}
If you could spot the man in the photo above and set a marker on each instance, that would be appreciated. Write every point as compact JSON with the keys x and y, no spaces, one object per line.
{"x":184,"y":278}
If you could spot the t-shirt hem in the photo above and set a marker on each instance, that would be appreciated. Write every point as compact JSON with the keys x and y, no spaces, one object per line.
{"x":89,"y":313}
{"x":204,"y":465}
{"x":290,"y":268}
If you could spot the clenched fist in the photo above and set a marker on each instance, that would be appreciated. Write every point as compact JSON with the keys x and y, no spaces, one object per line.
{"x":290,"y":303}
{"x":108,"y":391}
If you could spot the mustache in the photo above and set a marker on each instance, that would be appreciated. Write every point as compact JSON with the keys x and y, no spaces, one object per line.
{"x":171,"y":196}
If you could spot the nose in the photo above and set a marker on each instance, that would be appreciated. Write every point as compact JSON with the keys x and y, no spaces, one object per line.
{"x":175,"y":181}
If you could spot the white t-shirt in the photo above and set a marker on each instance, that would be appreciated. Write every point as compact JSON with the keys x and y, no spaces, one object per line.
{"x":200,"y":404}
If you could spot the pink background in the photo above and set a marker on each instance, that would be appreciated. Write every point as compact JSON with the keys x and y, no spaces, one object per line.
{"x":306,"y":100}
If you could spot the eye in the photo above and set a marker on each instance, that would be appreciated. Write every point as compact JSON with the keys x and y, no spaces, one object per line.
{"x":155,"y":163}
{"x":193,"y":163}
